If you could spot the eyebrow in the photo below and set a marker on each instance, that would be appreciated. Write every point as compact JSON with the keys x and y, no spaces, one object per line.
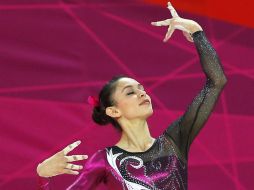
{"x":130,"y":86}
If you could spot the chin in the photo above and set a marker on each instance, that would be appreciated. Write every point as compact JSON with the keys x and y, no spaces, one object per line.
{"x":149,"y":113}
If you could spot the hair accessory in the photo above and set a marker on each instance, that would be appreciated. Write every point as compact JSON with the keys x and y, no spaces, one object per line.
{"x":92,"y":100}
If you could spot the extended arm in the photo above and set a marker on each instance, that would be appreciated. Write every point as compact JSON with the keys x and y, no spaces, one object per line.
{"x":185,"y":128}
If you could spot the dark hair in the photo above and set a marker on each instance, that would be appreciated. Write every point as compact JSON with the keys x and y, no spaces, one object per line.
{"x":105,"y":100}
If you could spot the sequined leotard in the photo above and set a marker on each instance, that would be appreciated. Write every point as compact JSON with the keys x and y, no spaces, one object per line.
{"x":164,"y":165}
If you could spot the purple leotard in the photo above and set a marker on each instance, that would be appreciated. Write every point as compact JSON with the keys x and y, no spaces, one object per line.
{"x":164,"y":165}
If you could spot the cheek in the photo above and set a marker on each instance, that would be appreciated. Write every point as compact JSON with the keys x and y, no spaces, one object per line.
{"x":128,"y":107}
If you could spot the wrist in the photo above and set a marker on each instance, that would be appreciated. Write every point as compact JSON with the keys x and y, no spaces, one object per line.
{"x":195,"y":27}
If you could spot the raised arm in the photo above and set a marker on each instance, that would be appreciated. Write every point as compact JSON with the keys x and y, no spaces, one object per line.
{"x":183,"y":130}
{"x":186,"y":127}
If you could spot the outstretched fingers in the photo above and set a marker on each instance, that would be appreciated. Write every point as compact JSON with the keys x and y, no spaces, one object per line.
{"x":172,"y":10}
{"x":188,"y":36}
{"x":75,"y":158}
{"x":171,"y":29}
{"x":73,"y":167}
{"x":175,"y":22}
{"x":70,"y":168}
{"x":70,"y":147}
{"x":161,"y":23}
{"x":68,"y":171}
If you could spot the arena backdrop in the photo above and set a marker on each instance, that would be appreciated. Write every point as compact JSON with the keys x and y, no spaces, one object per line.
{"x":54,"y":54}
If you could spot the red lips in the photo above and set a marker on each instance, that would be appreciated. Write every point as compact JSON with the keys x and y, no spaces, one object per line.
{"x":144,"y":101}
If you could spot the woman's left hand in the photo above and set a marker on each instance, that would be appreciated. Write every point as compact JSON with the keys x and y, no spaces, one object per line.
{"x":188,"y":27}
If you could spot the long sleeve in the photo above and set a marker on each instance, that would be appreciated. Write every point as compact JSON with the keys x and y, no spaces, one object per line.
{"x":92,"y":175}
{"x":185,"y":128}
{"x":44,"y":183}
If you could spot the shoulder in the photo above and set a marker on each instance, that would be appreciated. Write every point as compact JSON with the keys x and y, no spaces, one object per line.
{"x":97,"y":159}
{"x":100,"y":152}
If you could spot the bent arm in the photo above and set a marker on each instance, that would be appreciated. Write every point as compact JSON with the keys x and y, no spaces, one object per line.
{"x":184,"y":130}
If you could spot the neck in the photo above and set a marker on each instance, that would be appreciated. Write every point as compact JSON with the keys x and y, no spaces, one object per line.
{"x":135,"y":136}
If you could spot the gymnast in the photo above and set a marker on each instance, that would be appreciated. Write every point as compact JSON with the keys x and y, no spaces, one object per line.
{"x":139,"y":161}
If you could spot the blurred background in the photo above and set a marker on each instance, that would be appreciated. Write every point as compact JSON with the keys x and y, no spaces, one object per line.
{"x":54,"y":54}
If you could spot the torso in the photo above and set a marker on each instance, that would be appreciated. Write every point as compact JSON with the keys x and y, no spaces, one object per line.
{"x":160,"y":167}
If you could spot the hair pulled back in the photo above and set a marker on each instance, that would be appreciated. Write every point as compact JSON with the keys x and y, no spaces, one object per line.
{"x":99,"y":115}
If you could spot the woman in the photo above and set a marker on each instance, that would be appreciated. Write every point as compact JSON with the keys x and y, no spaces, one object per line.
{"x":139,"y":161}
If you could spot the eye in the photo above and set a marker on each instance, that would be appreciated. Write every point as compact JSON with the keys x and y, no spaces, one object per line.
{"x":130,"y":93}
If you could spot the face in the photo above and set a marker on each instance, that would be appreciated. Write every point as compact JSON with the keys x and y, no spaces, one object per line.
{"x":129,"y":95}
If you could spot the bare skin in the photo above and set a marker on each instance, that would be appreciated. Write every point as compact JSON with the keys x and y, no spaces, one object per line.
{"x":130,"y":115}
{"x":60,"y":163}
{"x":187,"y":26}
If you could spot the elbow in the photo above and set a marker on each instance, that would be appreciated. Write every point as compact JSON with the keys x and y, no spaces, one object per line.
{"x":224,"y":80}
{"x":221,"y":82}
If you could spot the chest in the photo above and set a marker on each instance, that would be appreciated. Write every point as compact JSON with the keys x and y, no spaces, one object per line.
{"x":155,"y":169}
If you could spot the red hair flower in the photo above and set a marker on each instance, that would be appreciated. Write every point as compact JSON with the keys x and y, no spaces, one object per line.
{"x":92,"y":100}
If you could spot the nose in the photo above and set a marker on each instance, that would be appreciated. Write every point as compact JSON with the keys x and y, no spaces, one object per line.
{"x":142,"y":93}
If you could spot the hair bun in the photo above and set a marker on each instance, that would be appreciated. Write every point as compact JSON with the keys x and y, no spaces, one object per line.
{"x":99,"y":116}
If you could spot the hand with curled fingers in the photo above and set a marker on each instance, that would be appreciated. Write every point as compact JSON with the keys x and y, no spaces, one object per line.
{"x":59,"y":163}
{"x":188,"y":27}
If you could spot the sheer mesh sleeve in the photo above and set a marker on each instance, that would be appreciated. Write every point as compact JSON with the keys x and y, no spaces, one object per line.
{"x":185,"y":128}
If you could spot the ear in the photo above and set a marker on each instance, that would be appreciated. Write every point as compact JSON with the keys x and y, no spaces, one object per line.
{"x":113,"y":112}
